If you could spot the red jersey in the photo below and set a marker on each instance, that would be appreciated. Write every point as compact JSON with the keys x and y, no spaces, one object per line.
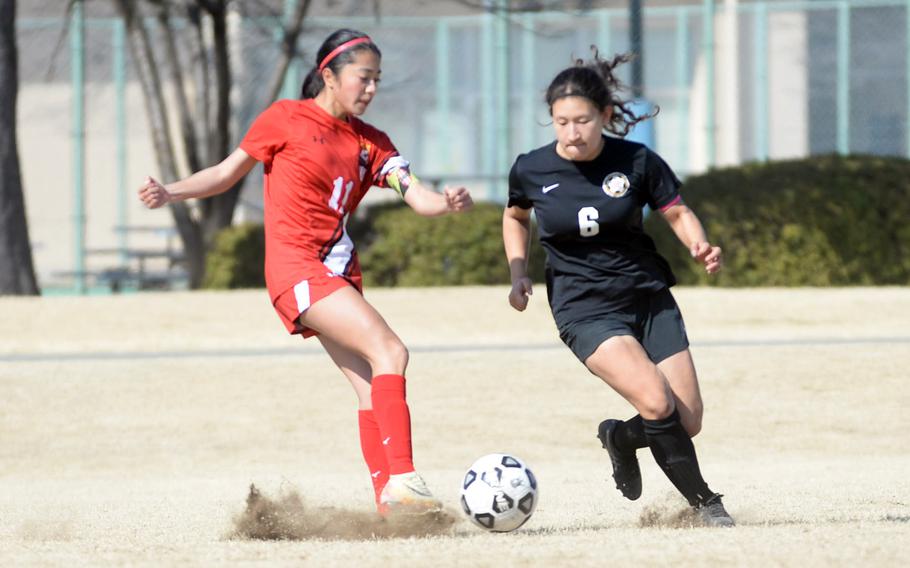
{"x":317,"y":170}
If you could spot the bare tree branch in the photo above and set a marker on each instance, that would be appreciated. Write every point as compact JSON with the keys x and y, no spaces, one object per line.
{"x":218,"y":211}
{"x":217,"y":10}
{"x":200,"y":65}
{"x":290,"y":33}
{"x":58,"y":47}
{"x":187,"y":125}
{"x":525,"y":6}
{"x":205,"y":133}
{"x":156,"y":109}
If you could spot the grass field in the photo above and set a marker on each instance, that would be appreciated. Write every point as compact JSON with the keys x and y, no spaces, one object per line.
{"x":132,"y":427}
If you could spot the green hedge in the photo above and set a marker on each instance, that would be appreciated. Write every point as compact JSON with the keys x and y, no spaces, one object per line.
{"x":821,"y":221}
{"x":236,"y":259}
{"x":402,"y":248}
{"x":397,"y":247}
{"x":816,"y":222}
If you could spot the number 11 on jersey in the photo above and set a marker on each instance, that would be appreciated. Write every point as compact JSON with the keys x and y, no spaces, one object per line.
{"x":587,"y":221}
{"x":338,"y":201}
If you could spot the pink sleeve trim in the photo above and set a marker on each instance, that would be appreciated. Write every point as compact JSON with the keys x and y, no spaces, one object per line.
{"x":672,"y":203}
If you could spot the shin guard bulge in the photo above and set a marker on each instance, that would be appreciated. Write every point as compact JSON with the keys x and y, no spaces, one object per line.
{"x":373,"y":450}
{"x":394,"y":419}
{"x":675,"y":454}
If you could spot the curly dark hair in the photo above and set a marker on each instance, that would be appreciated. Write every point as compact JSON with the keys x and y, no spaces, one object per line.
{"x":596,"y":81}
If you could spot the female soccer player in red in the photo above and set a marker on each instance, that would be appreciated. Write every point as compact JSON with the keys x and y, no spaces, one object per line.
{"x":608,"y":287}
{"x":319,"y":161}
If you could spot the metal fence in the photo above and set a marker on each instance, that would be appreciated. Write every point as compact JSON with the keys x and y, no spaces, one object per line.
{"x":463,"y":96}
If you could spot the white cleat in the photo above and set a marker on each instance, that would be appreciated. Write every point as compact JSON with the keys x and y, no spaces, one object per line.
{"x":408,"y":492}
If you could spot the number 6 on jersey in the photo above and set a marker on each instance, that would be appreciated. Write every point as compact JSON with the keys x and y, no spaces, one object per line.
{"x":587,"y":221}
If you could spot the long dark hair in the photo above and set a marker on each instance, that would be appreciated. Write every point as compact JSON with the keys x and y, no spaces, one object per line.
{"x":313,"y":82}
{"x":596,"y":81}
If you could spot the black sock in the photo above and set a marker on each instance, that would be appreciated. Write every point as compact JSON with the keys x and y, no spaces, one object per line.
{"x":675,"y":454}
{"x":629,"y":436}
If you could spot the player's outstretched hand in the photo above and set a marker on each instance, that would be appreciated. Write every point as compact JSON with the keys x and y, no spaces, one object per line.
{"x":711,"y":257}
{"x":458,"y":199}
{"x":518,"y":296}
{"x":153,"y":193}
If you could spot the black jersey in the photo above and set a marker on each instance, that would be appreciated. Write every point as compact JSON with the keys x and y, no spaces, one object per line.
{"x":589,"y":216}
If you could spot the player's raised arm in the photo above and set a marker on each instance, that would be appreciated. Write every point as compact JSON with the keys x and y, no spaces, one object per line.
{"x":429,"y":203}
{"x":204,"y":183}
{"x":516,"y":234}
{"x":396,"y":174}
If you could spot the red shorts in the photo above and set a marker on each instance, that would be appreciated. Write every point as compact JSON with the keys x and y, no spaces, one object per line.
{"x":294,"y":301}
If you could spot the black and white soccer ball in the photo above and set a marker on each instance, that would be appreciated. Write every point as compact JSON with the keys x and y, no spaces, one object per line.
{"x":499,"y":492}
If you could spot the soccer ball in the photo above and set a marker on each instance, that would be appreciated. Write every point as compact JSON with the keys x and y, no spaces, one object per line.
{"x":499,"y":493}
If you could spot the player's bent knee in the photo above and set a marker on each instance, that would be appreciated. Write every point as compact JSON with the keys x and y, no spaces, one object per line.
{"x":400,"y":354}
{"x":389,"y":355}
{"x":656,"y":407}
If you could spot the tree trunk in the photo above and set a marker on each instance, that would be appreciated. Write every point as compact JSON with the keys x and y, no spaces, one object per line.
{"x":200,"y":62}
{"x":156,"y":110}
{"x":218,"y":211}
{"x":197,"y":232}
{"x":187,"y":126}
{"x":17,"y":273}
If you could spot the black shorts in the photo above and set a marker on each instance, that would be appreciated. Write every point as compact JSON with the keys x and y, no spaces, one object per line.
{"x":654,"y":320}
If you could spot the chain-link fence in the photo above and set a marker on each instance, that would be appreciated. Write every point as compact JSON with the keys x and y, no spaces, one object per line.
{"x":462,"y":96}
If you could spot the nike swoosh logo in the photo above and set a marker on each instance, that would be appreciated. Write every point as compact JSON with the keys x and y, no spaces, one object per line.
{"x":376,"y":473}
{"x":549,"y":188}
{"x":386,"y":441}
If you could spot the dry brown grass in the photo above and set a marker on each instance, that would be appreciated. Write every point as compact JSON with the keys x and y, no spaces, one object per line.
{"x":132,"y":428}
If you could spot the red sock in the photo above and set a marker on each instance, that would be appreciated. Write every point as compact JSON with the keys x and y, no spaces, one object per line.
{"x":394,"y":420}
{"x":373,"y":451}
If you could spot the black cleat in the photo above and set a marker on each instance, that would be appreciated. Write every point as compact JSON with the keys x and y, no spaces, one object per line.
{"x":713,"y":514}
{"x":626,"y":472}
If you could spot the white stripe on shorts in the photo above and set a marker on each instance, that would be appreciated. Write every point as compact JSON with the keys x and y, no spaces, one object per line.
{"x":302,"y":294}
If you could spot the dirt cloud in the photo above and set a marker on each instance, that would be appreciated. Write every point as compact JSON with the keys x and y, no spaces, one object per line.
{"x":287,"y":517}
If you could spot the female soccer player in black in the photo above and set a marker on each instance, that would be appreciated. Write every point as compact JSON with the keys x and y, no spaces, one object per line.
{"x":607,"y":285}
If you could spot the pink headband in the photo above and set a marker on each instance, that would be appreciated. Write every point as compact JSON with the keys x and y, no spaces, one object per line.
{"x":350,"y":43}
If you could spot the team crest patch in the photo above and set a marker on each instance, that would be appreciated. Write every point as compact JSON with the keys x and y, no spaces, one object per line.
{"x":364,"y":158}
{"x":616,"y":184}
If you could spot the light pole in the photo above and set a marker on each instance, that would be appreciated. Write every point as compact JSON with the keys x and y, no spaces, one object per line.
{"x":636,"y":47}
